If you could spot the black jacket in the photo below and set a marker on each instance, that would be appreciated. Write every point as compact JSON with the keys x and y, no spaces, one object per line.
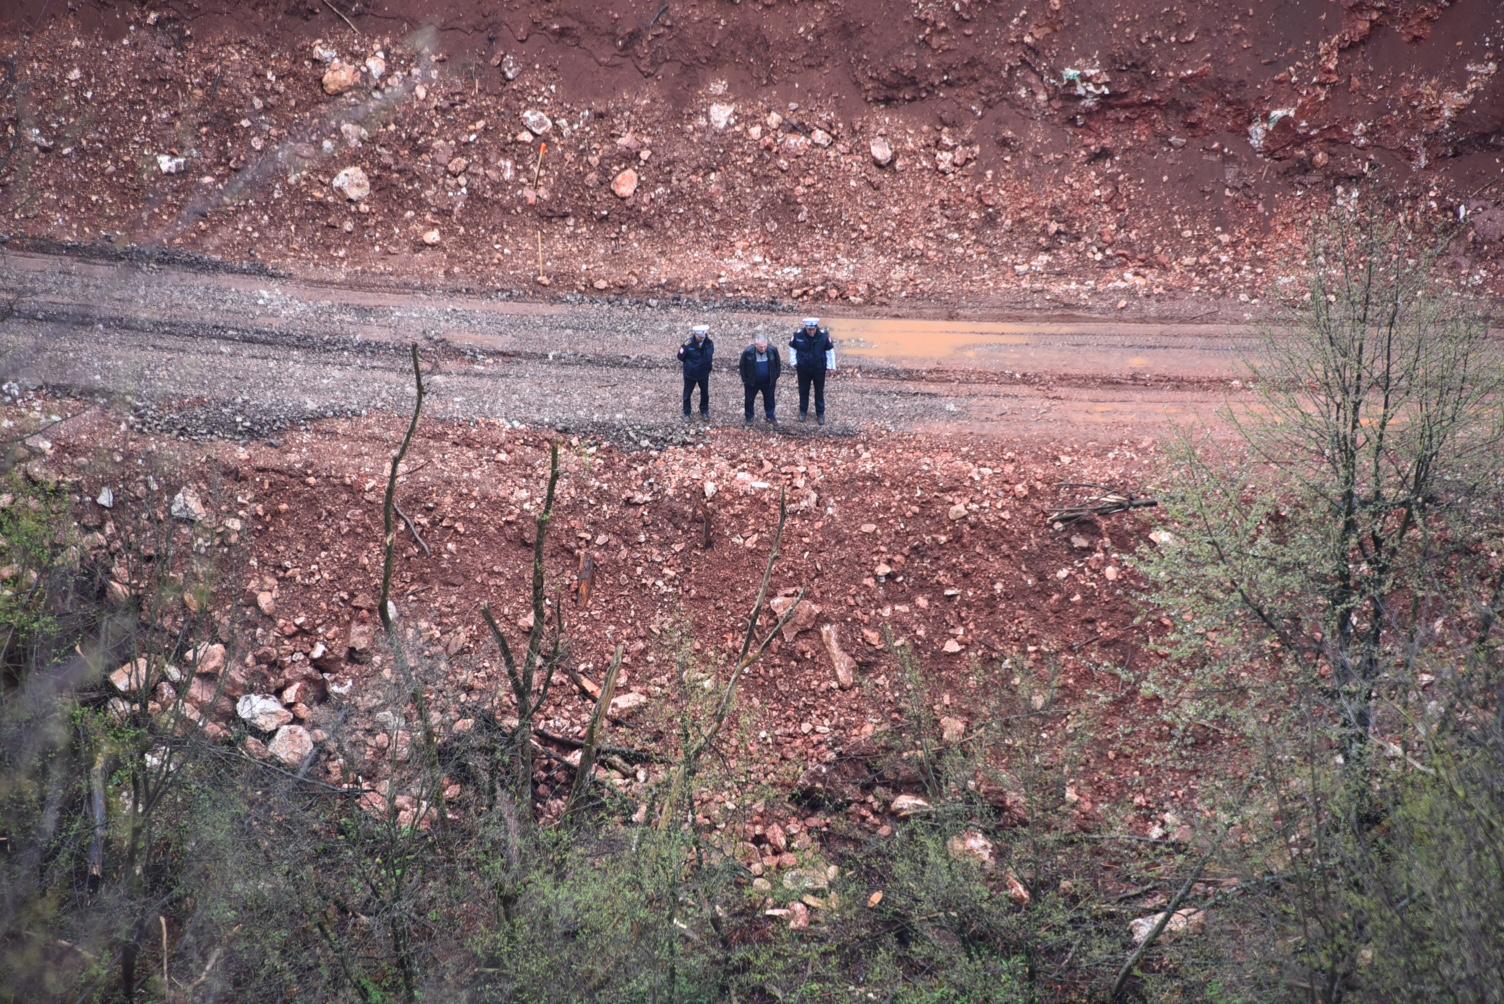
{"x":810,"y":349}
{"x":697,"y":358}
{"x":749,"y":365}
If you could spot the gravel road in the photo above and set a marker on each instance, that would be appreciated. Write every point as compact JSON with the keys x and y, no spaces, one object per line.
{"x":205,"y":351}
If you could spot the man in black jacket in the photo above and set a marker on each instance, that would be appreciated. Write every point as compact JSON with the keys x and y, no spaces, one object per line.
{"x":760,"y":368}
{"x":697,"y":353}
{"x":810,"y":344}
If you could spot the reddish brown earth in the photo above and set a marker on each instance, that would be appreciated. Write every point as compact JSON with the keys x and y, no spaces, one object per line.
{"x":1069,"y":152}
{"x":958,"y":549}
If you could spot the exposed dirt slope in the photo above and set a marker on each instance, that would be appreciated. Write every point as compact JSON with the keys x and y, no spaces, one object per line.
{"x":1070,"y":151}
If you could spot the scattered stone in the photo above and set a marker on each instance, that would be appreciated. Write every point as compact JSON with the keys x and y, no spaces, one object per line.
{"x":340,"y":78}
{"x":625,"y":184}
{"x":951,"y":646}
{"x":537,"y":123}
{"x":1185,"y":921}
{"x":844,"y":665}
{"x":803,"y":880}
{"x":720,"y":115}
{"x":798,"y":916}
{"x":117,"y":593}
{"x":186,"y":506}
{"x":431,"y":237}
{"x":1164,"y":538}
{"x":957,"y":512}
{"x":776,"y":838}
{"x":292,"y":745}
{"x":625,"y":705}
{"x":1017,"y":891}
{"x":457,"y":166}
{"x":874,"y":899}
{"x":262,"y":712}
{"x":803,"y":618}
{"x":952,"y":730}
{"x":266,"y":603}
{"x":210,"y":660}
{"x":129,"y":678}
{"x":360,"y":641}
{"x":882,"y":151}
{"x":352,"y":183}
{"x":971,"y":844}
{"x":511,"y":67}
{"x":376,"y":66}
{"x":821,"y":138}
{"x":909,"y":805}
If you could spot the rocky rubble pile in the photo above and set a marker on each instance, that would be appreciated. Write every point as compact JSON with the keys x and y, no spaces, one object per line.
{"x":952,"y":158}
{"x":954,"y":561}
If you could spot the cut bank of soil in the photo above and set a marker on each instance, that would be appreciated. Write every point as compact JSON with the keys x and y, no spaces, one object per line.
{"x":1075,"y":152}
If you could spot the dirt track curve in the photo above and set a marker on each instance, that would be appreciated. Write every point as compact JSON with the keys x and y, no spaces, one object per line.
{"x":204,"y":351}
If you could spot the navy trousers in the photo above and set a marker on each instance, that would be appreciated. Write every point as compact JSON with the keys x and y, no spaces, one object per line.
{"x":769,"y":405}
{"x":690,"y":383}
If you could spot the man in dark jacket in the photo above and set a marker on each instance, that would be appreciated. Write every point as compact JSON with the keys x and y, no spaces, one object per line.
{"x":760,"y":368}
{"x":810,"y":344}
{"x":697,"y":353}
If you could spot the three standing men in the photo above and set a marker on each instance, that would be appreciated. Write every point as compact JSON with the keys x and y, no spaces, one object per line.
{"x":760,"y":366}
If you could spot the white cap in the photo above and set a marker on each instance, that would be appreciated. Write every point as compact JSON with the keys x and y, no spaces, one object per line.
{"x":701,"y":329}
{"x":811,"y":322}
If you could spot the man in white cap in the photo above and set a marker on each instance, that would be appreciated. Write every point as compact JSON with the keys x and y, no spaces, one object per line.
{"x":697,"y":353}
{"x":760,"y":368}
{"x":810,"y":344}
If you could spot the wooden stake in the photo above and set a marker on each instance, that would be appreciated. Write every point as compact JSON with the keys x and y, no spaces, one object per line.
{"x":538,"y":167}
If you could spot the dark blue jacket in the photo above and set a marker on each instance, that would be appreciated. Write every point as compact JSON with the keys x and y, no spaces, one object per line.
{"x":748,"y":366}
{"x":697,"y":358}
{"x":810,"y":349}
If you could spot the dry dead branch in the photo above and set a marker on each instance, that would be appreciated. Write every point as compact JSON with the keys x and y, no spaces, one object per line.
{"x":1096,"y":500}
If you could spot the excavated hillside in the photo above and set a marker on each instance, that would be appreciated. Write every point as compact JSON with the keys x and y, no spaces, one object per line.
{"x":965,"y":154}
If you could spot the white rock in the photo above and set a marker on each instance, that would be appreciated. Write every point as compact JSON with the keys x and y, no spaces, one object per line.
{"x":909,"y":805}
{"x":820,"y":137}
{"x":106,"y":499}
{"x":882,"y":151}
{"x":624,"y":705}
{"x":352,"y":183}
{"x":720,"y":115}
{"x":431,"y":237}
{"x":262,"y":712}
{"x":292,"y":745}
{"x":169,"y":164}
{"x":186,"y":506}
{"x":971,"y":844}
{"x":537,"y":123}
{"x":1185,"y":921}
{"x":376,"y":66}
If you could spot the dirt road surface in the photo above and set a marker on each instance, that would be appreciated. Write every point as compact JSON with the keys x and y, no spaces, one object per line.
{"x":204,"y":351}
